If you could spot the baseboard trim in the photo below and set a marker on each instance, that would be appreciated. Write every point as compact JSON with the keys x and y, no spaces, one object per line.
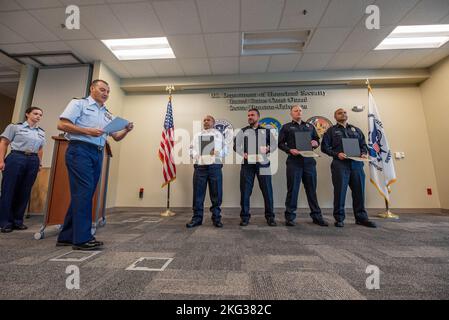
{"x":371,"y":211}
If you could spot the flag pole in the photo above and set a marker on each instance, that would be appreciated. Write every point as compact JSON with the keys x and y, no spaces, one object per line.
{"x":387,"y":214}
{"x":168,"y":212}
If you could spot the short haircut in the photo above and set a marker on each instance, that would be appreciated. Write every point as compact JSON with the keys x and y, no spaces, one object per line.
{"x":294,"y":106}
{"x":255,"y":110}
{"x":209,"y":116}
{"x":99,"y":80}
{"x":335,"y":112}
{"x":31,"y":109}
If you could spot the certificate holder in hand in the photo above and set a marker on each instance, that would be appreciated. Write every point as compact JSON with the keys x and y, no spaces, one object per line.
{"x":207,"y":149}
{"x":303,"y":143}
{"x":117,"y":124}
{"x":351,"y":149}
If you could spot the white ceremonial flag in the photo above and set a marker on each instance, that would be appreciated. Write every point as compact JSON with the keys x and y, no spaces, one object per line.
{"x":381,"y":164}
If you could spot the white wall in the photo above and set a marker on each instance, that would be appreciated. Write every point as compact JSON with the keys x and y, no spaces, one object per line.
{"x":435,"y":95}
{"x":54,"y":90}
{"x":401,"y":111}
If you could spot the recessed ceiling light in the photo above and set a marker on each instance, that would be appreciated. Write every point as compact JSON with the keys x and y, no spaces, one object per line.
{"x":274,"y":42}
{"x":140,"y":48}
{"x":416,"y":37}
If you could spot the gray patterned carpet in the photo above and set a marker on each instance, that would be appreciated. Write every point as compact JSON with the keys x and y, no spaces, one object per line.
{"x":255,"y":262}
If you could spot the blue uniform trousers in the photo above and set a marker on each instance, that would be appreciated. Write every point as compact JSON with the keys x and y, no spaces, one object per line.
{"x":18,"y":179}
{"x":203,"y":176}
{"x":298,"y":171}
{"x":247,"y":174}
{"x":84,"y":163}
{"x":348,"y":173}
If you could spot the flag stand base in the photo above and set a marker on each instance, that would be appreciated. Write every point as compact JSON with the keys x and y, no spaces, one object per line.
{"x":168,"y":213}
{"x":388,"y":215}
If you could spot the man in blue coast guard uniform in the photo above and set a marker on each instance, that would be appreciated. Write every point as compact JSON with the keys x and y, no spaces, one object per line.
{"x":20,"y":168}
{"x":208,"y":166}
{"x":300,"y":168}
{"x":255,"y":140}
{"x":83,"y":121}
{"x":346,"y":172}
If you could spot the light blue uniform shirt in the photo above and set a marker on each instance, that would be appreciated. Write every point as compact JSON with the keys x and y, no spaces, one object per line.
{"x":22,"y":137}
{"x":86,"y":113}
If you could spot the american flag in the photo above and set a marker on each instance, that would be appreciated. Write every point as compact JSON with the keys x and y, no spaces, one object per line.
{"x":166,"y":147}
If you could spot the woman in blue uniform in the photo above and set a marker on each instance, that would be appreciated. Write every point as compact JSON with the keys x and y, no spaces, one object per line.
{"x":20,"y":168}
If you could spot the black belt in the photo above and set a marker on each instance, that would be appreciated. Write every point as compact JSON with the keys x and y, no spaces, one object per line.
{"x":88,"y":144}
{"x":27,"y":153}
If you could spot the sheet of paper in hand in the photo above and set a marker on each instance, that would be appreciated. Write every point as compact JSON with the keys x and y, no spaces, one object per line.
{"x":115,"y":125}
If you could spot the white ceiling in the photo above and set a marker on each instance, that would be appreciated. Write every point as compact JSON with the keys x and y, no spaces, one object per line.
{"x":206,"y":34}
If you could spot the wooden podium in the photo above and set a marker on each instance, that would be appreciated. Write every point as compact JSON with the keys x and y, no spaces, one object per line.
{"x":58,"y":197}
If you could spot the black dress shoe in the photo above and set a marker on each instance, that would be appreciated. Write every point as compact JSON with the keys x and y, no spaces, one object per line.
{"x":339,"y":224}
{"x":290,"y":223}
{"x":192,"y":224}
{"x":6,"y":230}
{"x":366,"y":223}
{"x":63,"y":243}
{"x":91,"y":245}
{"x":321,"y":222}
{"x":21,"y":227}
{"x":218,"y":224}
{"x":271,"y":222}
{"x":244,"y":223}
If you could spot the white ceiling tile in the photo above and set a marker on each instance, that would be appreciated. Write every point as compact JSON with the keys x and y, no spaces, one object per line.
{"x":52,"y":20}
{"x":427,"y":12}
{"x":363,"y":39}
{"x":408,"y":58}
{"x":7,"y":5}
{"x":344,"y":13}
{"x":228,"y":65}
{"x":327,"y":40}
{"x":254,"y":64}
{"x":313,"y":61}
{"x":223,"y":44}
{"x":194,"y":67}
{"x":167,"y":67}
{"x":9,"y":36}
{"x":102,"y":23}
{"x":138,"y":19}
{"x":445,"y":20}
{"x":39,"y":4}
{"x":261,"y":14}
{"x":138,"y":68}
{"x":344,"y":60}
{"x":26,"y":26}
{"x":293,"y":13}
{"x":376,"y":59}
{"x":391,"y":12}
{"x":283,"y":63}
{"x":10,"y":63}
{"x":436,"y":56}
{"x":19,"y":48}
{"x":91,"y":50}
{"x":178,"y":17}
{"x":52,"y":46}
{"x":188,"y":46}
{"x":219,"y":15}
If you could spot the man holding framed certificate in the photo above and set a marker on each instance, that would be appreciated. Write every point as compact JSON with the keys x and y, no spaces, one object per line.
{"x":346,"y":144}
{"x":207,"y":151}
{"x":298,"y":139}
{"x":254,"y":143}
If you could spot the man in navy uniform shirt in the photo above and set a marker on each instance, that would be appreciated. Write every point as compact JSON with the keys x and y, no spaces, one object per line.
{"x":256,"y":142}
{"x":300,"y":168}
{"x":346,"y":171}
{"x":83,"y":121}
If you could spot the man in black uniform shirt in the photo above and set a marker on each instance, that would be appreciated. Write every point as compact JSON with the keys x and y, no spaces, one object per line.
{"x":300,"y":168}
{"x":346,"y":171}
